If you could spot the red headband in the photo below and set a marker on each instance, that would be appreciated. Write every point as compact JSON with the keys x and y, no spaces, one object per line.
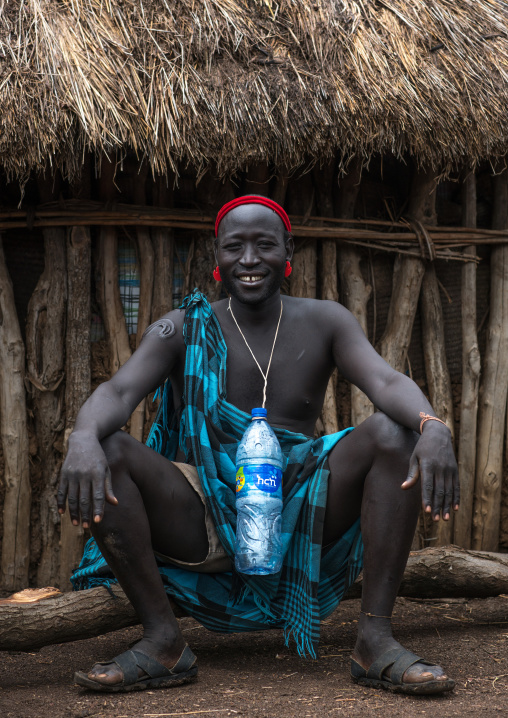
{"x":252,"y":199}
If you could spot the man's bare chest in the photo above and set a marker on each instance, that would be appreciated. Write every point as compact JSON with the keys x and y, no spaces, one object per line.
{"x":300,"y":367}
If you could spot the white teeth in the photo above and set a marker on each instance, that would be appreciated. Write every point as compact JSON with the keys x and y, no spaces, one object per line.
{"x":250,"y":278}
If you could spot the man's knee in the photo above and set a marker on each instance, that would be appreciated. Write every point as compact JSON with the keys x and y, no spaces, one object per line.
{"x":116,"y":449}
{"x":390,"y":437}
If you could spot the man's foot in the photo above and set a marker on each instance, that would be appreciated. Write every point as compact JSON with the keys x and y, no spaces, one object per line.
{"x":380,"y":661}
{"x":144,"y":666}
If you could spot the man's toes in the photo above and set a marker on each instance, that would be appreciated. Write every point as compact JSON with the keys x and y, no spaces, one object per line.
{"x":428,"y":676}
{"x":105,"y":676}
{"x":415,"y":674}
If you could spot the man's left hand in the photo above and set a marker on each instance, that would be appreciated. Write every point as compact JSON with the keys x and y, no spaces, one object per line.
{"x":434,"y":462}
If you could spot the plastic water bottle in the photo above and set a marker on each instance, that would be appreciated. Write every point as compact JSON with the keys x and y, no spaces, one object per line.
{"x":258,"y":548}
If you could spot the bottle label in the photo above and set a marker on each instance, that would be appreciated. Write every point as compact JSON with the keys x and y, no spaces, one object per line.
{"x":265,"y":477}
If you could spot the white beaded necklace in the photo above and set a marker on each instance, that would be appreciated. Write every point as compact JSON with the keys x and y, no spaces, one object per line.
{"x":265,"y":376}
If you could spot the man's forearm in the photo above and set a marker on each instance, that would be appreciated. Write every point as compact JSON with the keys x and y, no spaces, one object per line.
{"x":103,"y":413}
{"x":402,"y":400}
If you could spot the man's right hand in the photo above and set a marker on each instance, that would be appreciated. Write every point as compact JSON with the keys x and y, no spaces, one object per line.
{"x":85,"y":480}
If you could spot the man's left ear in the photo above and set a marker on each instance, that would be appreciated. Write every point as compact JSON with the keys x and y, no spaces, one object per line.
{"x":290,"y":247}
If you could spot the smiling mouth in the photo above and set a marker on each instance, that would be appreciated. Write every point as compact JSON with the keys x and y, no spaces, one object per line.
{"x":250,"y":278}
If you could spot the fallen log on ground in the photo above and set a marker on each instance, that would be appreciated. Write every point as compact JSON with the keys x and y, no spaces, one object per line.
{"x":443,"y":572}
{"x":451,"y":572}
{"x":67,"y":617}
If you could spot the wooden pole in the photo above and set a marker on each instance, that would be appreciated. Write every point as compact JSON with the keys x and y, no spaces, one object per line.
{"x":407,"y":277}
{"x":407,"y":280}
{"x":110,"y":301}
{"x":146,"y":281}
{"x":77,"y":373}
{"x":45,"y":332}
{"x":258,"y":179}
{"x":108,"y":290}
{"x":14,"y":437}
{"x":471,"y":365}
{"x":280,"y":188}
{"x":436,"y":367}
{"x":494,"y":388}
{"x":355,"y":291}
{"x":303,"y":278}
{"x":323,"y":179}
{"x":164,"y":247}
{"x":210,"y":196}
{"x":438,"y":377}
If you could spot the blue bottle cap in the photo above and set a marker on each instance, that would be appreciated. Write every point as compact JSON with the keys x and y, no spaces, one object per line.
{"x":258,"y":412}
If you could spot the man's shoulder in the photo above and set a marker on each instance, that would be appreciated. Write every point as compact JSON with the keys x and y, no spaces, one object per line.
{"x":169,"y":326}
{"x":315,"y":307}
{"x":329,"y":318}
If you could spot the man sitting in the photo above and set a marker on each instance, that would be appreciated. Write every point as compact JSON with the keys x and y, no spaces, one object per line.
{"x":165,"y":523}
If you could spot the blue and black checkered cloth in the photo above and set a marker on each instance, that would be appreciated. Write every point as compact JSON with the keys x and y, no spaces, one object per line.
{"x":313,"y":580}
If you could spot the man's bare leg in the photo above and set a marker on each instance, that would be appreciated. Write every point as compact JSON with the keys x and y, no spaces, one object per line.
{"x":367,"y":469}
{"x":157,"y":509}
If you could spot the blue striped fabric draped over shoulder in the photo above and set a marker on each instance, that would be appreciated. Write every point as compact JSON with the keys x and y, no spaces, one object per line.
{"x":312,"y":581}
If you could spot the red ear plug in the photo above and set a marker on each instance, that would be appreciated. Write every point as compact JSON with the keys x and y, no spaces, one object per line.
{"x":216,"y":274}
{"x":288,"y":269}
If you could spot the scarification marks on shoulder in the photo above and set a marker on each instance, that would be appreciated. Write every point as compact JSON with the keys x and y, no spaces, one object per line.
{"x":163,"y":328}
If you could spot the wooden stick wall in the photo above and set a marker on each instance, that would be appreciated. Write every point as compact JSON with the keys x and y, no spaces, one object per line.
{"x":14,"y":435}
{"x":53,"y":370}
{"x":493,"y":389}
{"x":471,"y":364}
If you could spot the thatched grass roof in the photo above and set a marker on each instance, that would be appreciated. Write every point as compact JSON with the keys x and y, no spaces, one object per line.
{"x":231,"y":82}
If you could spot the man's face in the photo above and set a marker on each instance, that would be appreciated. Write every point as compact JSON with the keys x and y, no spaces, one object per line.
{"x":252,"y":252}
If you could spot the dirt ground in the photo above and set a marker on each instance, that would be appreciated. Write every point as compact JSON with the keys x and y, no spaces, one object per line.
{"x":255,"y":675}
